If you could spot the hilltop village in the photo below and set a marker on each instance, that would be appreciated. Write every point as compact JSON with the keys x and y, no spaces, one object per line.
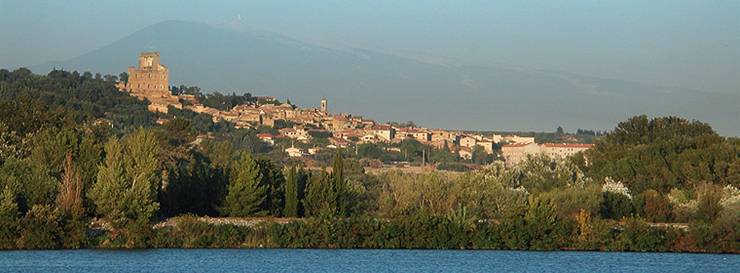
{"x":150,"y":81}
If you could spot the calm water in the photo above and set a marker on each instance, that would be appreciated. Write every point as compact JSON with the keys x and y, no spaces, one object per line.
{"x":281,"y":260}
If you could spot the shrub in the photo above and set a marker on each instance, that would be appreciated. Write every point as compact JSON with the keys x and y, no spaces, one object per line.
{"x":40,"y":228}
{"x":615,"y":205}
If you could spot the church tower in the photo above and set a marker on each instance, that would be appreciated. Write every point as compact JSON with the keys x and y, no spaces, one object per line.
{"x":324,"y":106}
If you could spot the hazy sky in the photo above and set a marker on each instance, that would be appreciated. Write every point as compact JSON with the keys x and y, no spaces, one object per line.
{"x":694,"y":44}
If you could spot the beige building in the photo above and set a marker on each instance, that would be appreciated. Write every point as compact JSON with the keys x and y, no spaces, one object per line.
{"x":384,"y":132}
{"x":468,"y":141}
{"x":563,"y":150}
{"x":518,"y":152}
{"x":487,"y":146}
{"x":465,"y":153}
{"x":443,"y":135}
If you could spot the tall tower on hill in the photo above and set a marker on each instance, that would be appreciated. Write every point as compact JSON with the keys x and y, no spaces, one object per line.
{"x":150,"y":81}
{"x":324,"y":105}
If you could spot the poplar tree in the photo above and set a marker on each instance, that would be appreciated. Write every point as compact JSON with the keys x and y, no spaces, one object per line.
{"x":339,"y":186}
{"x":291,"y":193}
{"x":245,"y":193}
{"x":69,"y":201}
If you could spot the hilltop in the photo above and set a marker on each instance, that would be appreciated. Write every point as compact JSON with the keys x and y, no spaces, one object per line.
{"x":388,"y":87}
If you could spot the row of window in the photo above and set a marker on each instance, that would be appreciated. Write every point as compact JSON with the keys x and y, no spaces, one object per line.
{"x":150,"y":86}
{"x":139,"y":75}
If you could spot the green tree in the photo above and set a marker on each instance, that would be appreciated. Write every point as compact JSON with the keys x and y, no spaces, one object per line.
{"x":291,"y":193}
{"x":480,"y":156}
{"x":8,"y":219}
{"x":274,"y":181}
{"x":245,"y":192}
{"x":40,"y":228}
{"x":340,"y":188}
{"x":128,"y":181}
{"x":615,"y":205}
{"x":653,"y":206}
{"x":319,"y":195}
{"x":541,"y":220}
{"x":709,"y":207}
{"x":109,"y":192}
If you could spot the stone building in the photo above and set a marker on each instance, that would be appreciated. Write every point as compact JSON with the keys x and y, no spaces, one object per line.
{"x":150,"y":80}
{"x":518,"y":152}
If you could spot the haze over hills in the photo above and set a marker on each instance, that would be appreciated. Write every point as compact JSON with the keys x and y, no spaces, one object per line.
{"x":388,"y":87}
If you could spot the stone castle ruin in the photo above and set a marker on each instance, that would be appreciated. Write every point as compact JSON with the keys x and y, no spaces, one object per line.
{"x":150,"y":81}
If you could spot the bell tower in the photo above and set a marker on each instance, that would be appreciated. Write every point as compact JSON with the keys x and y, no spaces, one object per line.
{"x":324,"y":105}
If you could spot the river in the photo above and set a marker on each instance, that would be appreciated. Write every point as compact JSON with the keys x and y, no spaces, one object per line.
{"x":296,"y":260}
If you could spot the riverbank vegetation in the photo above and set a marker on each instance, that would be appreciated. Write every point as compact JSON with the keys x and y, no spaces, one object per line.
{"x":85,"y":166}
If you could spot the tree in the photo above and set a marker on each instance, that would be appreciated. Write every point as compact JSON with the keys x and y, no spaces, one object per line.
{"x":560,"y":131}
{"x":541,"y":221}
{"x":291,"y":193}
{"x":40,"y":228}
{"x":245,"y":192}
{"x":8,"y":219}
{"x":709,"y":207}
{"x":274,"y":181}
{"x":318,"y":195}
{"x":664,"y":153}
{"x":128,"y":181}
{"x":109,"y":191}
{"x":124,"y":77}
{"x":70,"y":204}
{"x":615,"y":205}
{"x":339,"y":186}
{"x":653,"y":206}
{"x":480,"y":156}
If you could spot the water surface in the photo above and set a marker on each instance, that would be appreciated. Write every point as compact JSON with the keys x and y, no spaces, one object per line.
{"x":296,"y":260}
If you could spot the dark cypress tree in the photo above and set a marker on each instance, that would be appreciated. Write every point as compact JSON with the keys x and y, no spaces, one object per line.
{"x":339,"y":186}
{"x":274,"y":181}
{"x":319,"y":195}
{"x":291,"y":193}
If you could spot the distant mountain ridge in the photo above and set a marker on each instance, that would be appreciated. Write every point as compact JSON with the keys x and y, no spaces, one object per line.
{"x":388,"y":87}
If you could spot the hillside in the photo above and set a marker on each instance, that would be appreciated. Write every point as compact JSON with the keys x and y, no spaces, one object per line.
{"x":387,"y":87}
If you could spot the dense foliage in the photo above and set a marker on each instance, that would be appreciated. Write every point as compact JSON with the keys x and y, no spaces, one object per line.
{"x":83,"y":165}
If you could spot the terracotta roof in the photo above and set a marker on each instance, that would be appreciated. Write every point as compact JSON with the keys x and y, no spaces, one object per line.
{"x":265,"y":135}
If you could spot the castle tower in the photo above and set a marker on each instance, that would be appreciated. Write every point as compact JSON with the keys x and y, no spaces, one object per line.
{"x":150,"y":81}
{"x":324,"y":105}
{"x":150,"y":77}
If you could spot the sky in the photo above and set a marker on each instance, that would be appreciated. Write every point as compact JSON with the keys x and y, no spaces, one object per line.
{"x":690,"y":44}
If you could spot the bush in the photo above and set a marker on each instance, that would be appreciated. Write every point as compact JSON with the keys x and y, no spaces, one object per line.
{"x":637,"y":235}
{"x":40,"y":228}
{"x":453,"y":166}
{"x":653,"y":206}
{"x":615,"y":206}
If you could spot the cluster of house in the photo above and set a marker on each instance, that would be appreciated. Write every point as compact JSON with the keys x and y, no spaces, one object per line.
{"x":151,"y":81}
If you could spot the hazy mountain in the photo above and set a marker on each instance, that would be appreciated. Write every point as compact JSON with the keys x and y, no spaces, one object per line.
{"x":387,"y":87}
